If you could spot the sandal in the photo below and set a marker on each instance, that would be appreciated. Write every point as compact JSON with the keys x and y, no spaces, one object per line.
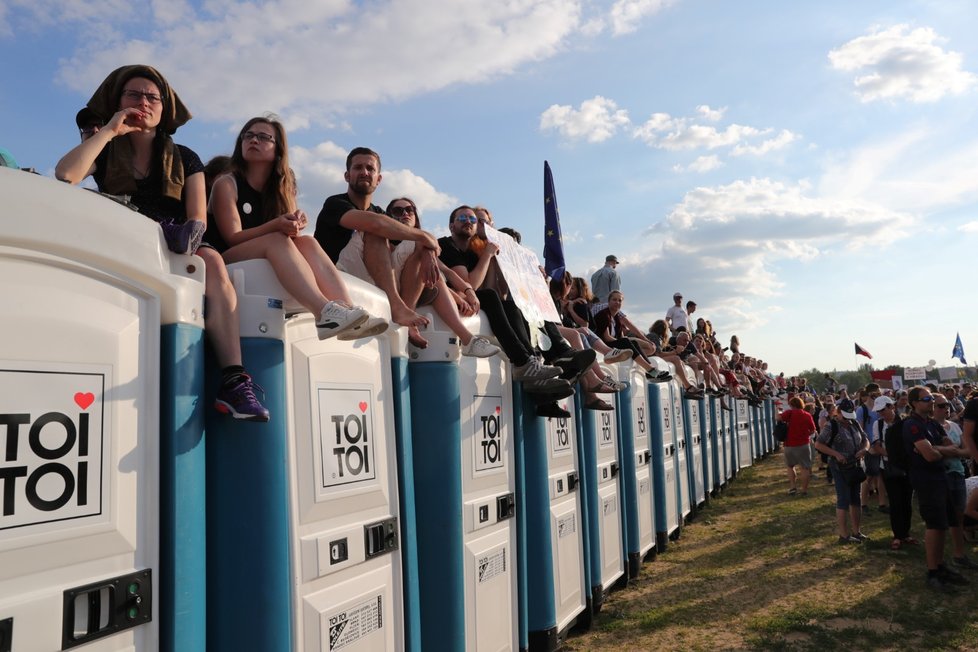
{"x":910,"y":541}
{"x":896,"y":544}
{"x":595,"y":403}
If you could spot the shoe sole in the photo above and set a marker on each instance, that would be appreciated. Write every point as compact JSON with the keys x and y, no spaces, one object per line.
{"x":357,"y":333}
{"x":226,"y":408}
{"x":326,"y":331}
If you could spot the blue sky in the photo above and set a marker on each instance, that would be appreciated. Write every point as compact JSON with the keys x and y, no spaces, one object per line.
{"x":807,"y":172}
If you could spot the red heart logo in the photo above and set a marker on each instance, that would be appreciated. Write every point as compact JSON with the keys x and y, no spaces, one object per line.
{"x":84,"y":400}
{"x":497,"y":409}
{"x":363,"y":407}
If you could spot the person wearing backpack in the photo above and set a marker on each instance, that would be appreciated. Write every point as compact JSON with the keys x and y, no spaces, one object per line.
{"x":889,"y":444}
{"x":845,"y":444}
{"x":927,"y":445}
{"x":796,"y":446}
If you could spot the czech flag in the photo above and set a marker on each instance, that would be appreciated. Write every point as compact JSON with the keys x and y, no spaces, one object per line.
{"x":861,"y":351}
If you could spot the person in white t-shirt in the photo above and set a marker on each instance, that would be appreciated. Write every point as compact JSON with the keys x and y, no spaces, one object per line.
{"x":676,"y":317}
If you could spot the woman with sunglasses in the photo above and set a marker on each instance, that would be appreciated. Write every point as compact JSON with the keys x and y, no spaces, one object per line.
{"x":255,"y":216}
{"x":446,"y":303}
{"x":134,"y":154}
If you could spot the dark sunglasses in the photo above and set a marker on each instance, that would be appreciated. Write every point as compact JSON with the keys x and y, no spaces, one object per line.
{"x":471,"y":219}
{"x":401,"y":211}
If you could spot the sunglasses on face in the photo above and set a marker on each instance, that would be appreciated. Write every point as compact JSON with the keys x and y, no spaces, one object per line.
{"x":463,"y":219}
{"x":401,"y":211}
{"x":926,"y":399}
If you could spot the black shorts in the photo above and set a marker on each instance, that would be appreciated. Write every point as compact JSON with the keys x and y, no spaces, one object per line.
{"x":935,"y":503}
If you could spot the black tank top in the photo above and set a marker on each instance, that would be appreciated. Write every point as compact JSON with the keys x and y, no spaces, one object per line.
{"x":250,"y":210}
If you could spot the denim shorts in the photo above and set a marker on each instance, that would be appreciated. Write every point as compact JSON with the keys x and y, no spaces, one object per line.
{"x":846,"y":495}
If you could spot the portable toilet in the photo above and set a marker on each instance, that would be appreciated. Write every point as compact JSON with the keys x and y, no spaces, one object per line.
{"x":706,"y":444}
{"x":603,"y":493}
{"x":686,"y":496}
{"x":694,"y":451}
{"x":101,"y":525}
{"x":662,"y":444}
{"x":745,"y":454}
{"x":314,"y":491}
{"x":557,"y":592}
{"x":633,"y":427}
{"x":465,"y":479}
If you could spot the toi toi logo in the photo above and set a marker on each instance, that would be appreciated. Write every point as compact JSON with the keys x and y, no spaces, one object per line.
{"x":347,"y":449}
{"x":488,"y":433}
{"x":51,"y":449}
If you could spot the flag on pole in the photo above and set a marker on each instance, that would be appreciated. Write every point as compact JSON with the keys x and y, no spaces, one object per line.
{"x":958,"y":351}
{"x":861,"y":351}
{"x":553,"y":244}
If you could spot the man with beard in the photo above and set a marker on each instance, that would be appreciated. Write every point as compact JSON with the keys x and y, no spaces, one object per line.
{"x":351,"y":211}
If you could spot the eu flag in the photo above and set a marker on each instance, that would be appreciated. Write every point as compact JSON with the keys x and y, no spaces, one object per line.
{"x":958,"y":351}
{"x":553,"y":244}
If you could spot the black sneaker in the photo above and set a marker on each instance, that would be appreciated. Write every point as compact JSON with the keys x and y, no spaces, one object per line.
{"x":964,"y":562}
{"x":552,"y":410}
{"x":575,"y":364}
{"x":935,"y":583}
{"x":949,"y":576}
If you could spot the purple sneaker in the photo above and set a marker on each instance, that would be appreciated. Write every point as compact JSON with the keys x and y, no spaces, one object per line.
{"x":240,"y":402}
{"x":183,"y":238}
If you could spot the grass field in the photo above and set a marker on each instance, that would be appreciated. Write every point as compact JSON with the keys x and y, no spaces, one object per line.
{"x":758,"y":569}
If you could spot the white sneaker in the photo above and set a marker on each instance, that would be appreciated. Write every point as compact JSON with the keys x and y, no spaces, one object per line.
{"x":480,"y":347}
{"x":535,"y":370}
{"x":370,"y":327}
{"x":617,"y":355}
{"x":335,"y":318}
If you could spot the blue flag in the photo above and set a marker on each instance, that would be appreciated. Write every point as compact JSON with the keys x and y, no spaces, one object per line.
{"x":958,"y":351}
{"x":553,"y":244}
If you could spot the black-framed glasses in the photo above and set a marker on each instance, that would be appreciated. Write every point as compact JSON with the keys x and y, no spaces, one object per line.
{"x":136,"y":96}
{"x":255,"y":135}
{"x":470,"y":219}
{"x":401,"y":211}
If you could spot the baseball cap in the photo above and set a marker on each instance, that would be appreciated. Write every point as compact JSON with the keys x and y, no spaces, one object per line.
{"x":881,"y":402}
{"x":847,"y":409}
{"x":86,"y":117}
{"x":611,"y":259}
{"x":677,"y":295}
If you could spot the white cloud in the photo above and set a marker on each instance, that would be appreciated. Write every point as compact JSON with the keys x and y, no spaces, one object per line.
{"x":626,"y":15}
{"x":597,"y":120}
{"x":901,"y":63}
{"x":231,"y":60}
{"x":725,"y":244}
{"x":713,"y":115}
{"x":780,"y":141}
{"x":701,"y":164}
{"x":969,"y":227}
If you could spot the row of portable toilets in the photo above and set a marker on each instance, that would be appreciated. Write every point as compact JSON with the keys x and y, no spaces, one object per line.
{"x":397,"y":499}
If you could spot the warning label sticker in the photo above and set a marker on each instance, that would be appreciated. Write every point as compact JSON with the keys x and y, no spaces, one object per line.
{"x":350,"y":626}
{"x":609,"y":505}
{"x":643,"y":487}
{"x":491,"y":565}
{"x":566,"y":526}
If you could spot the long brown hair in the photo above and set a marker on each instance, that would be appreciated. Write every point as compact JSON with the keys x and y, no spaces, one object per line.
{"x":279,"y":193}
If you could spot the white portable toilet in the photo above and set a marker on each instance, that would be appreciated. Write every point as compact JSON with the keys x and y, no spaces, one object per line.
{"x":344,"y":531}
{"x":666,"y":481}
{"x":465,"y":488}
{"x":686,"y":498}
{"x":745,"y":455}
{"x":89,"y":293}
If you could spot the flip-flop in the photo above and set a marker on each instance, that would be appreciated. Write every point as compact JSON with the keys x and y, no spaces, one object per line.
{"x":896,"y":544}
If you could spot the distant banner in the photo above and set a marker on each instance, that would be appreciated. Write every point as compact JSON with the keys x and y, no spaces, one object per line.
{"x":914,"y":373}
{"x":948,"y":373}
{"x":527,"y":287}
{"x":897,"y":383}
{"x":882,"y":376}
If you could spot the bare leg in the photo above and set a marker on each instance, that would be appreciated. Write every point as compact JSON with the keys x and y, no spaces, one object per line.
{"x":221,"y":320}
{"x":377,"y":258}
{"x":840,"y":522}
{"x":680,"y":371}
{"x":791,"y":476}
{"x":805,"y":475}
{"x":291,"y":268}
{"x":328,"y":278}
{"x":856,"y":517}
{"x":445,"y":308}
{"x":934,"y":547}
